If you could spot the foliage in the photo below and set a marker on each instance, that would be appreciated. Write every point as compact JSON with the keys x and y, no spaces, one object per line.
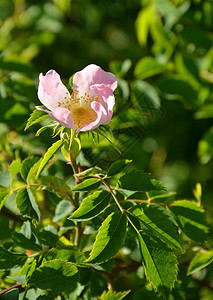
{"x":78,"y":220}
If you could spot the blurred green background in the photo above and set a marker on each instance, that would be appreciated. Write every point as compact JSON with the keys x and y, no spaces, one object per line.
{"x":161,"y":52}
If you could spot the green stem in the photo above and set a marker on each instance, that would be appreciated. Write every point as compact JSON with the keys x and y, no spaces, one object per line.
{"x":112,"y":193}
{"x":74,"y":165}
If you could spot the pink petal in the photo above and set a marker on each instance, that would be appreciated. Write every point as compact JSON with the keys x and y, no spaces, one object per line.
{"x":102,"y":117}
{"x":92,"y":75}
{"x":61,"y":115}
{"x":51,"y":90}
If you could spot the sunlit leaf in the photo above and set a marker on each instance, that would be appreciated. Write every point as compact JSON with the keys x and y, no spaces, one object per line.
{"x":36,"y":117}
{"x":159,"y":262}
{"x":49,"y":155}
{"x":92,"y":206}
{"x":88,"y":184}
{"x":109,"y":239}
{"x":200,"y":261}
{"x":159,"y":221}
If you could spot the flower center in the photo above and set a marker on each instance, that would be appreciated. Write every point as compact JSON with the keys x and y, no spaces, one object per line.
{"x":80,"y":108}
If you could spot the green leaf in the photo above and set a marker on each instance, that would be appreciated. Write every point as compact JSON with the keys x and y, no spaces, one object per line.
{"x":55,"y":184}
{"x":63,"y":209}
{"x":159,"y":262}
{"x":120,"y":68}
{"x":27,"y":238}
{"x":5,"y":232}
{"x":69,"y":253}
{"x":9,"y":259}
{"x":148,"y":67}
{"x":49,"y":236}
{"x":92,"y":206}
{"x":143,"y":23}
{"x":75,"y":147}
{"x":139,"y":181}
{"x":118,"y":167}
{"x":89,"y":172}
{"x":191,"y":218}
{"x":5,"y":179}
{"x":26,"y":204}
{"x":110,"y":238}
{"x":65,"y":152}
{"x":42,"y":129}
{"x":175,"y":87}
{"x":200,"y":261}
{"x":56,"y":275}
{"x":88,"y":185}
{"x":15,"y":63}
{"x":205,"y":146}
{"x":36,"y":117}
{"x":49,"y":155}
{"x":27,"y":164}
{"x":14,"y":168}
{"x":110,"y":295}
{"x":145,"y":97}
{"x":159,"y":221}
{"x":4,"y":194}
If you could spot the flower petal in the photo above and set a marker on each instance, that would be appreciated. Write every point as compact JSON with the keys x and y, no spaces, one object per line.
{"x":61,"y":115}
{"x":102,"y":117}
{"x":51,"y":90}
{"x":107,"y":94}
{"x":92,"y":75}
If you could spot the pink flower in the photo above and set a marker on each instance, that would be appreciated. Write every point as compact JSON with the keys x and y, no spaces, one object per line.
{"x":90,"y":104}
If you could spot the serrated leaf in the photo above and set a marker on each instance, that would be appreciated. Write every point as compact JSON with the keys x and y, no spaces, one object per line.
{"x":110,"y":238}
{"x":89,"y":172}
{"x":36,"y":117}
{"x":159,"y":262}
{"x":159,"y":221}
{"x":27,"y":238}
{"x":63,"y":209}
{"x":27,"y":164}
{"x":69,"y":253}
{"x":49,"y":155}
{"x":200,"y":261}
{"x":118,"y":167}
{"x":139,"y":181}
{"x":88,"y":185}
{"x":26,"y":204}
{"x":110,"y":295}
{"x":92,"y":206}
{"x":14,"y":168}
{"x":9,"y":259}
{"x":56,"y":275}
{"x":191,"y":218}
